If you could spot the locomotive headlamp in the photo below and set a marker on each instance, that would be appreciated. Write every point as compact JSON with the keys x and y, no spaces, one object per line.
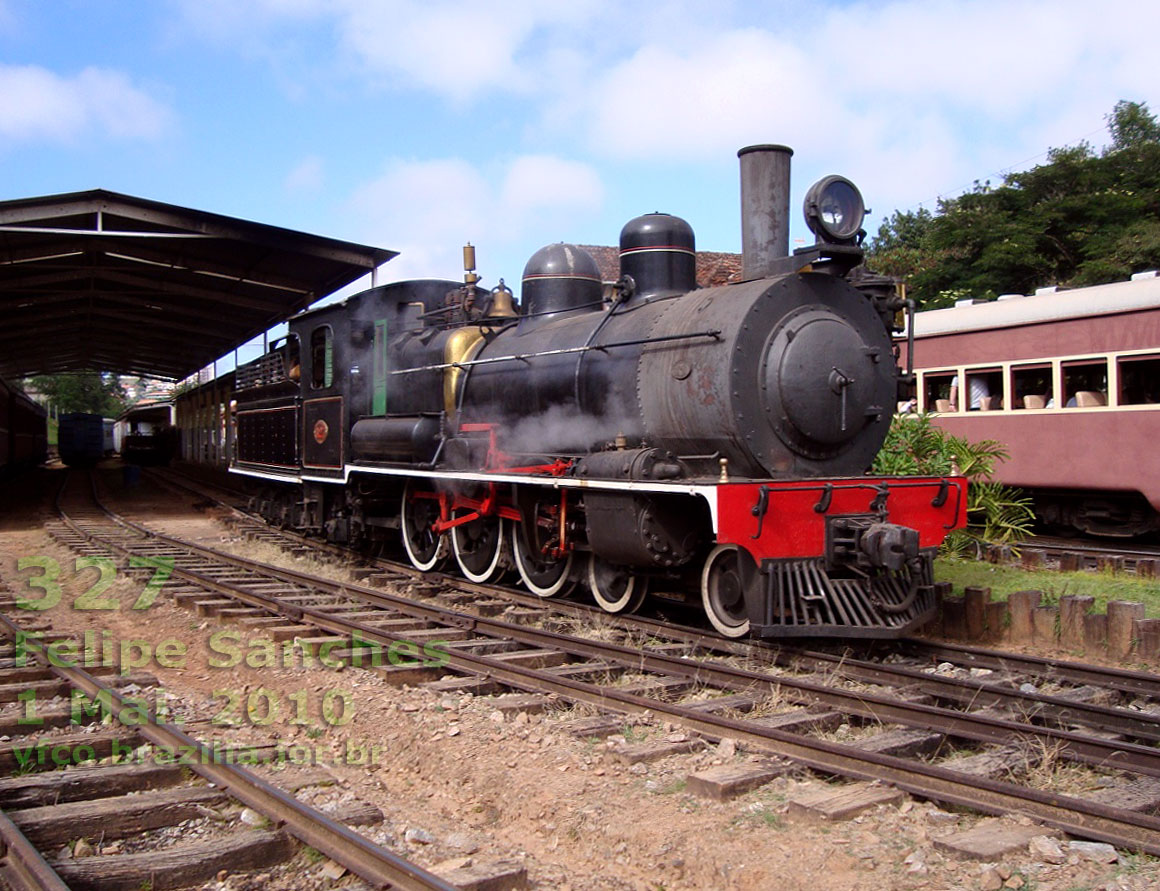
{"x":834,"y":209}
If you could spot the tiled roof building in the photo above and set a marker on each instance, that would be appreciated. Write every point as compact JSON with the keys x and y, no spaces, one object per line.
{"x":713,"y":267}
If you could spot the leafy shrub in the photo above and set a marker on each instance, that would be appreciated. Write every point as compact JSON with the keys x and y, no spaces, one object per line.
{"x":996,"y":514}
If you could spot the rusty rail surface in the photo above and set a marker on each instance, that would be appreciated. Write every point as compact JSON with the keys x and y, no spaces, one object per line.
{"x":1118,"y":826}
{"x":369,"y":861}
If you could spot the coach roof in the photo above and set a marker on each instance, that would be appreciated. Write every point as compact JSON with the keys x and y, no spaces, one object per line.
{"x":1142,"y":292}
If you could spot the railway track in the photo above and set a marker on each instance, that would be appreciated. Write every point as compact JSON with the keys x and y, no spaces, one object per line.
{"x":166,"y":777}
{"x":1082,"y":555}
{"x":939,"y":736}
{"x":90,"y":756}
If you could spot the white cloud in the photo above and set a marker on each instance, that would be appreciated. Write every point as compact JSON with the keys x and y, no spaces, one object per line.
{"x":535,"y":182}
{"x":308,"y":175}
{"x":724,"y":92}
{"x":40,"y":105}
{"x":427,"y":210}
{"x":921,"y":95}
{"x":457,"y":49}
{"x":454,"y":49}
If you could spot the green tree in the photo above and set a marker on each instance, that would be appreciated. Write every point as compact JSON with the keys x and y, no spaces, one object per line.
{"x":1081,"y":218}
{"x":1131,"y":125}
{"x":86,"y":391}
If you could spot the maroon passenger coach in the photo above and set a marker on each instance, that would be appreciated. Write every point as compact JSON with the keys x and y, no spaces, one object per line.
{"x":1069,"y":382}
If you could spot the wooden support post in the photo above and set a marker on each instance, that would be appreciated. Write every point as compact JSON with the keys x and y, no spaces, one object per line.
{"x":1072,"y":609}
{"x":1121,"y":617}
{"x":1110,"y":564}
{"x":997,"y":620}
{"x":1022,"y":604}
{"x":942,"y":590}
{"x":1031,"y":559}
{"x":1147,"y":634}
{"x":974,"y":606}
{"x":1095,"y":631}
{"x":1069,"y":562}
{"x":1045,"y":620}
{"x":954,"y":624}
{"x":1147,"y":569}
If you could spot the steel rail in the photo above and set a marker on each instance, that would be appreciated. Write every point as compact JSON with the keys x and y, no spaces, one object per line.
{"x":370,"y":862}
{"x":1106,"y":823}
{"x":967,"y":691}
{"x":1091,"y":750}
{"x":1135,"y":682}
{"x":1138,"y":683}
{"x":24,"y":868}
{"x":1037,"y":707}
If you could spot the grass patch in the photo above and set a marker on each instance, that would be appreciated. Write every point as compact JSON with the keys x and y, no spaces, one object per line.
{"x":1003,"y":580}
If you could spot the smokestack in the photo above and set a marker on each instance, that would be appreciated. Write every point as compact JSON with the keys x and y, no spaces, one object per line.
{"x":764,"y":208}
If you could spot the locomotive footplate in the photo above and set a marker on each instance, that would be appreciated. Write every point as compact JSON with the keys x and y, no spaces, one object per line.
{"x":801,"y":598}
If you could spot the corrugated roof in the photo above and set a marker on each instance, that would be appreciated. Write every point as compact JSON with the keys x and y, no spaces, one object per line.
{"x":100,"y":280}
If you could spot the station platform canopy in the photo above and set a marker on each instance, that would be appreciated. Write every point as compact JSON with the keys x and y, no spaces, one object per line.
{"x":104,"y":281}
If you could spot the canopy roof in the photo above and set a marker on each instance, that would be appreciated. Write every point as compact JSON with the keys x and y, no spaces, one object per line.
{"x":100,"y":280}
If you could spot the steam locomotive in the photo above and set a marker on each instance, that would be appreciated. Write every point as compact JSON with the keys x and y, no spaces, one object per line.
{"x":648,"y":433}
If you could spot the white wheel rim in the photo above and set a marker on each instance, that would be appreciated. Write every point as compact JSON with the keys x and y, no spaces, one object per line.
{"x":525,"y":576}
{"x":416,"y":561}
{"x":492,"y":569}
{"x":611,"y":606}
{"x":727,"y":629}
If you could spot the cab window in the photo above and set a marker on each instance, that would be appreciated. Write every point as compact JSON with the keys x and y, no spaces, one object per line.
{"x":322,"y":358}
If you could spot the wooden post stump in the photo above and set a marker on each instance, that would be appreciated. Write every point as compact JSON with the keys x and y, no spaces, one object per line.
{"x":1031,"y":559}
{"x":1095,"y":631}
{"x":1147,"y":569}
{"x":996,"y":620}
{"x":1072,"y":609}
{"x":1147,"y":636}
{"x":974,"y":606}
{"x":953,"y":617}
{"x":1110,"y":564}
{"x":1021,"y":604}
{"x":1044,"y":620}
{"x":1122,"y":615}
{"x":1069,"y":562}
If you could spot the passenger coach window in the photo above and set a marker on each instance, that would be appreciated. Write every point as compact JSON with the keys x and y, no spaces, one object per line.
{"x":936,"y":389}
{"x":321,"y":358}
{"x":1139,"y":380}
{"x":1030,"y":386}
{"x":1085,"y":384}
{"x":984,"y":391}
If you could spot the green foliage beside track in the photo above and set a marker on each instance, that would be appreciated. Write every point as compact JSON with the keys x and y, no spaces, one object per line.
{"x":995,"y":513}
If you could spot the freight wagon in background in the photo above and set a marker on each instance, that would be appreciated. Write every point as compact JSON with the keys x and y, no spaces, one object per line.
{"x":1069,"y":382}
{"x":23,"y":431}
{"x":81,"y":439}
{"x":146,"y":435}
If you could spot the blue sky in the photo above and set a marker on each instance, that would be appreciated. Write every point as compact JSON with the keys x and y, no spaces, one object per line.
{"x":416,"y":126}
